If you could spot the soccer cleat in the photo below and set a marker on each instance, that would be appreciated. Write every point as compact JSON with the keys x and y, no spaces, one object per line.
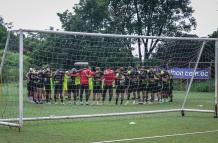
{"x":127,"y":102}
{"x":62,"y":103}
{"x":69,"y":102}
{"x":93,"y":103}
{"x":134,"y":102}
{"x":56,"y":103}
{"x":87,"y":103}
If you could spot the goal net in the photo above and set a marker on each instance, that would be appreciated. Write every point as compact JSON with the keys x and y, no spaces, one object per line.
{"x":68,"y":75}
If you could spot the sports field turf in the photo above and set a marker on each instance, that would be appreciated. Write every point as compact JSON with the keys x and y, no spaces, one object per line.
{"x":117,"y":128}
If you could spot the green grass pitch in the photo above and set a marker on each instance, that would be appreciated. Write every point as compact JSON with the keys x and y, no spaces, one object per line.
{"x":116,"y":128}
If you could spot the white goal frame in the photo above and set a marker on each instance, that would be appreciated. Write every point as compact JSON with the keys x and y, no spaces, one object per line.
{"x":21,"y":118}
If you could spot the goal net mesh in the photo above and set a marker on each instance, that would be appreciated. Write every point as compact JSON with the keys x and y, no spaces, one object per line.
{"x":145,"y":80}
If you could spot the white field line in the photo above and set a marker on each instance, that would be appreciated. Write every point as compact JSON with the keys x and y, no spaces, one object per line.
{"x":160,"y":136}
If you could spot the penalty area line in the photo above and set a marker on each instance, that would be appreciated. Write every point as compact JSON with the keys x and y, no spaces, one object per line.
{"x":160,"y":136}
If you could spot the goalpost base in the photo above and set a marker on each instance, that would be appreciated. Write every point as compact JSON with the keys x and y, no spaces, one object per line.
{"x":182,"y":113}
{"x":9,"y":124}
{"x":216,"y":112}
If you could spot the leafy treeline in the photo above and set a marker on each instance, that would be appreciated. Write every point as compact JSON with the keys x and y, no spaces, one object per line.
{"x":144,"y":17}
{"x":133,"y":17}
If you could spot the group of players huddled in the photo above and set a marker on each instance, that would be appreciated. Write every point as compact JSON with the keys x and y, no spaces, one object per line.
{"x":138,"y":85}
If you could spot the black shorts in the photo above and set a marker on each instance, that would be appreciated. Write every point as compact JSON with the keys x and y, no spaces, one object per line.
{"x":34,"y":87}
{"x":30,"y":86}
{"x":39,"y":85}
{"x":132,"y":87}
{"x":120,"y":89}
{"x":58,"y":88}
{"x":69,"y":88}
{"x":97,"y":89}
{"x":165,"y":88}
{"x":156,"y":88}
{"x":75,"y":88}
{"x":151,"y":87}
{"x":47,"y":87}
{"x":142,"y":87}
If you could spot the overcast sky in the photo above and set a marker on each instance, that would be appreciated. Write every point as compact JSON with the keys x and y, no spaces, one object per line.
{"x":40,"y":14}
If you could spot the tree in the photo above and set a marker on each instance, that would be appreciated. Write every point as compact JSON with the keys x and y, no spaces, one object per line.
{"x":3,"y":33}
{"x":162,"y":18}
{"x":177,"y":53}
{"x":145,"y":17}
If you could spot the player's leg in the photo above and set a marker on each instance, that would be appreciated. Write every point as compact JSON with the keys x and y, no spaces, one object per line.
{"x":55,"y":93}
{"x":60,"y":91}
{"x":110,"y":92}
{"x":99,"y":94}
{"x":69,"y":92}
{"x":104,"y":93}
{"x":122,"y":94}
{"x":117,"y":94}
{"x":134,"y":92}
{"x":82,"y":88}
{"x":129,"y":91}
{"x":87,"y":92}
{"x":94,"y":94}
{"x":171,"y":94}
{"x":138,"y":93}
{"x":74,"y":91}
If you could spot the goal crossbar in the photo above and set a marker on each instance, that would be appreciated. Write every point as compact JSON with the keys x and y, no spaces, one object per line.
{"x":116,"y":35}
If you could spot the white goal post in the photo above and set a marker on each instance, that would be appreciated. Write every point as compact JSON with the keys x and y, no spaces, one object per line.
{"x":18,"y":122}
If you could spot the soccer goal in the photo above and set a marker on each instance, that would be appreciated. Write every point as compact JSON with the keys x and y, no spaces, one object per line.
{"x":50,"y":75}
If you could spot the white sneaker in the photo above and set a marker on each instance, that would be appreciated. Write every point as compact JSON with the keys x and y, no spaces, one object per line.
{"x":93,"y":103}
{"x":56,"y":103}
{"x":133,"y":102}
{"x":127,"y":102}
{"x":69,"y":102}
{"x":62,"y":103}
{"x":87,"y":103}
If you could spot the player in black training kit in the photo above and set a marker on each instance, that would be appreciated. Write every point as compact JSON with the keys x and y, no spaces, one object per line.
{"x":47,"y":84}
{"x":151,"y":84}
{"x":170,"y":87}
{"x":120,"y":85}
{"x":97,"y":89}
{"x":165,"y":86}
{"x":58,"y":80}
{"x":133,"y":83}
{"x":157,"y":85}
{"x":30,"y":84}
{"x":73,"y":86}
{"x":144,"y":82}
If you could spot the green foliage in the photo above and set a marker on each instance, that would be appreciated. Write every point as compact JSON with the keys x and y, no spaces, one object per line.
{"x":3,"y":33}
{"x":203,"y":86}
{"x":11,"y":66}
{"x":197,"y":85}
{"x":145,"y":17}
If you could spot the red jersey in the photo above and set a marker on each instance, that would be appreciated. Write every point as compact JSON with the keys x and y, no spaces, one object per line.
{"x":109,"y":77}
{"x":84,"y":76}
